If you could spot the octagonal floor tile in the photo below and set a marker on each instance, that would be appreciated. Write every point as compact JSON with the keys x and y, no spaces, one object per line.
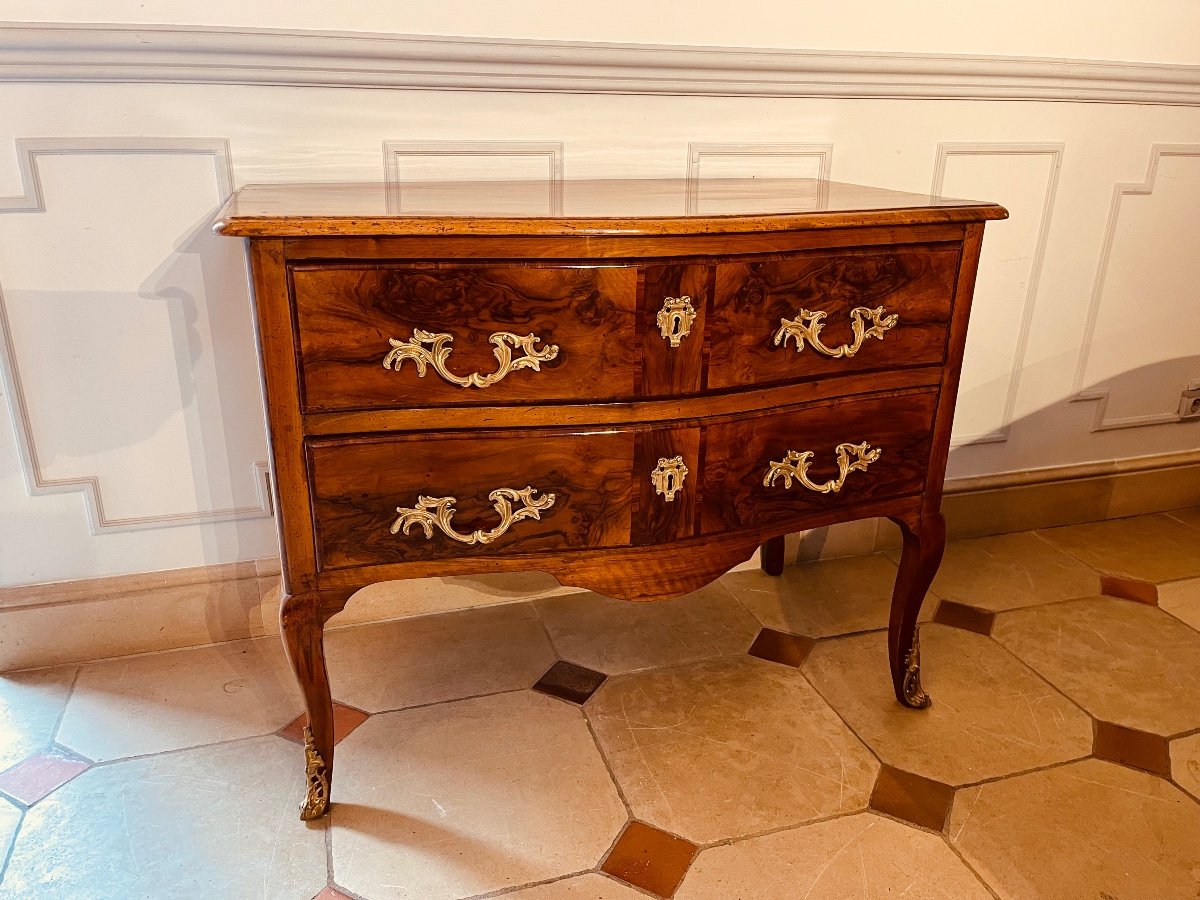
{"x":1152,"y":548}
{"x":411,"y":662}
{"x":10,"y":817}
{"x":1185,"y":763}
{"x":728,"y":747}
{"x":1123,"y":662}
{"x":616,"y":636}
{"x":1182,"y":600}
{"x":857,"y":856}
{"x":1086,"y":829}
{"x":581,"y":887}
{"x":991,"y":715}
{"x":182,"y":698}
{"x":824,"y":598}
{"x":208,"y":822}
{"x":30,"y":704}
{"x":1007,"y":571}
{"x":468,"y":797}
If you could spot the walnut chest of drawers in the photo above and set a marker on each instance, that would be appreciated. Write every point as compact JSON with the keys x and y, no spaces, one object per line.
{"x":632,"y":392}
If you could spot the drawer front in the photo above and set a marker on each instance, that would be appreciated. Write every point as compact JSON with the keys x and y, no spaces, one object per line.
{"x":778,"y":466}
{"x":414,"y":335}
{"x":821,"y":314}
{"x":405,"y":498}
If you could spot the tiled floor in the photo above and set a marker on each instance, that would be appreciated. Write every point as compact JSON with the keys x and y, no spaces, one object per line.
{"x":741,"y":742}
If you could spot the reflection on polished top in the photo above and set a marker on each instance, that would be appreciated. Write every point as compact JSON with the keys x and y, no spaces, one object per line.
{"x":617,"y":206}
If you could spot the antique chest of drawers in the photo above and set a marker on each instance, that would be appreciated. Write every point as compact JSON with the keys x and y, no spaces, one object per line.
{"x":632,"y":392}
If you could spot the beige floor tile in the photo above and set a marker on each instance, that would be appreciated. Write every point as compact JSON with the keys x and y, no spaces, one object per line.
{"x":209,"y":822}
{"x":1152,"y":548}
{"x":1185,"y":764}
{"x":852,"y":857}
{"x":10,"y":817}
{"x":178,"y":699}
{"x":410,"y":662}
{"x":472,"y":796}
{"x":1190,"y":516}
{"x":1123,"y":662}
{"x":990,"y":716}
{"x":821,"y":599}
{"x":30,"y":704}
{"x":617,"y":636}
{"x":1087,"y":829}
{"x":581,"y":887}
{"x":1182,"y":600}
{"x":728,"y":747}
{"x":1011,"y":570}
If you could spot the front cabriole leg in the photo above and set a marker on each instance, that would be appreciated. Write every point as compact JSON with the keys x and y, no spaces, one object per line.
{"x":302,"y":624}
{"x":924,"y":541}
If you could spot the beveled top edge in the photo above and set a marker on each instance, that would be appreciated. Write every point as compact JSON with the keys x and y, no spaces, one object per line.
{"x":582,"y":207}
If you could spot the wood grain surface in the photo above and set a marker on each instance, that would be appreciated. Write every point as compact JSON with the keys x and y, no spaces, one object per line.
{"x":347,"y":314}
{"x":738,"y":455}
{"x":916,"y":283}
{"x":358,"y":485}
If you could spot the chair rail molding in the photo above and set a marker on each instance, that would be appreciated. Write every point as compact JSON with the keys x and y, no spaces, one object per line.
{"x":1100,"y":421}
{"x":97,"y":52}
{"x":33,"y":201}
{"x":1010,"y":148}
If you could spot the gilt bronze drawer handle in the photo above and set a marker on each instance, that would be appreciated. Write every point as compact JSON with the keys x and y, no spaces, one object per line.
{"x":795,"y":465}
{"x":675,"y":319}
{"x":438,"y":351}
{"x":439,"y":511}
{"x":668,"y":476}
{"x":807,"y":327}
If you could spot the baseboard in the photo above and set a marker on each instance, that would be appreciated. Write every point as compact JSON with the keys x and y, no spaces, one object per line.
{"x":75,"y":621}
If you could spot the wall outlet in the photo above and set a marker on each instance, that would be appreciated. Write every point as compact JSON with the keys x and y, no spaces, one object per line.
{"x":1189,"y":402}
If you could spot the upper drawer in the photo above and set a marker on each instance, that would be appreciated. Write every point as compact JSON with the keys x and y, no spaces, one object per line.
{"x":404,"y":335}
{"x":827,"y":313}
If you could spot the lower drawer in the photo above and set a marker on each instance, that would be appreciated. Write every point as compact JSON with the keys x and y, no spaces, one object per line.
{"x":403,"y":498}
{"x":784,"y":464}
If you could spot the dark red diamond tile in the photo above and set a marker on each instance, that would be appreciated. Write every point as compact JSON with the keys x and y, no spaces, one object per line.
{"x":32,"y":779}
{"x":1129,"y":589}
{"x":568,"y":681}
{"x":332,"y":893}
{"x":781,"y":647}
{"x":913,"y":798}
{"x":968,"y":618}
{"x":650,"y":859}
{"x":1131,"y":747}
{"x":345,"y":720}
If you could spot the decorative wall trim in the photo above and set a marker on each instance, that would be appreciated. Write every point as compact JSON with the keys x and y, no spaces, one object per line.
{"x":1100,"y":422}
{"x":32,"y":200}
{"x":551,"y":151}
{"x":697,"y":152}
{"x":219,"y":55}
{"x":1006,"y":148}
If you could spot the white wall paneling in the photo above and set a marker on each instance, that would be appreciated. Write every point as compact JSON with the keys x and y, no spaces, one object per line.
{"x":112,"y":296}
{"x":408,"y":162}
{"x":758,"y":160}
{"x":1141,"y":341}
{"x":1026,"y":176}
{"x":117,"y":297}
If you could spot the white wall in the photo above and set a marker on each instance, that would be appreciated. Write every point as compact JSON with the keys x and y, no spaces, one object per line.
{"x":131,"y":437}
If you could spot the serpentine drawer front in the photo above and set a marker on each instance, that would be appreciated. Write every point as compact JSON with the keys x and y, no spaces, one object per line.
{"x":629,"y":396}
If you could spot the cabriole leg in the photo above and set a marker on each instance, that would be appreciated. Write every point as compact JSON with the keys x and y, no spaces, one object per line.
{"x":303,"y":629}
{"x":924,"y":541}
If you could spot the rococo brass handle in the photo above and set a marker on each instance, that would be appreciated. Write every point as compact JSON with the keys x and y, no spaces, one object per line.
{"x":795,"y":465}
{"x":438,"y":351}
{"x":439,"y":511}
{"x":807,"y":327}
{"x":675,"y":319}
